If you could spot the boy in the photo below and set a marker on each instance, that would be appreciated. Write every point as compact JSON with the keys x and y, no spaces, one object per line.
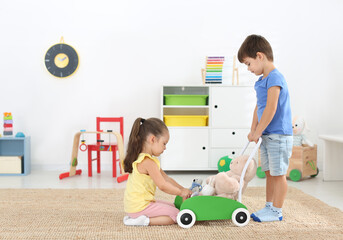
{"x":272,"y":121}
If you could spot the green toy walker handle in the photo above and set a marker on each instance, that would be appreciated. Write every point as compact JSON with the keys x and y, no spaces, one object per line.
{"x":246,"y":166}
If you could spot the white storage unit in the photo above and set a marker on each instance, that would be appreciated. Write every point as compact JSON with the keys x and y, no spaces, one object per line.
{"x":229,"y":110}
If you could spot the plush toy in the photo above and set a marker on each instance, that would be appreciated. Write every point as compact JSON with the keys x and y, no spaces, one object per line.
{"x":196,"y":185}
{"x":226,"y":184}
{"x":299,"y":128}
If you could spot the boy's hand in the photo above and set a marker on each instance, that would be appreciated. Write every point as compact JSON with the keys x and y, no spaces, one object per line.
{"x":250,"y":136}
{"x":255,"y":137}
{"x":185,"y":193}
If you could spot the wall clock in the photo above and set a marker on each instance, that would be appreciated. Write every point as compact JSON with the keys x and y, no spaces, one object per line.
{"x":61,"y":60}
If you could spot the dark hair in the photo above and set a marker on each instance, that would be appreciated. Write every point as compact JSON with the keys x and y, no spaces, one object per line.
{"x":141,"y":128}
{"x":253,"y":44}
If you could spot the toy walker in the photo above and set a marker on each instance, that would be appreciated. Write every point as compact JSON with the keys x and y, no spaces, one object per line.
{"x":203,"y":208}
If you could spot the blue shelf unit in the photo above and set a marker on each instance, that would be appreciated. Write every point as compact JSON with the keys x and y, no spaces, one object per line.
{"x":17,"y":146}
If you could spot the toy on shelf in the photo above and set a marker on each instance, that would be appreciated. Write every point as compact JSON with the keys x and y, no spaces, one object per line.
{"x":20,"y":134}
{"x":213,"y":72}
{"x":8,"y":124}
{"x":201,"y":208}
{"x":74,"y":154}
{"x":235,"y":72}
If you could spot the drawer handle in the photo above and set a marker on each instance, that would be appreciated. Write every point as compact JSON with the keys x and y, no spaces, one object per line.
{"x":233,"y":133}
{"x":203,"y":148}
{"x":215,"y":106}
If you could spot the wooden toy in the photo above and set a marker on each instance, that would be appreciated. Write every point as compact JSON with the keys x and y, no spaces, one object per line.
{"x":213,"y":72}
{"x":73,"y":165}
{"x":302,"y":164}
{"x":8,"y":124}
{"x":234,"y":72}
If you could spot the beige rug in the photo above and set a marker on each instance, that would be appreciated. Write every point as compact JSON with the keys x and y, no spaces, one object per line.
{"x":98,"y":214}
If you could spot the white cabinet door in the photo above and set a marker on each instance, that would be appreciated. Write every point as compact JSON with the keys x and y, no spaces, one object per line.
{"x":232,"y":107}
{"x":187,"y":149}
{"x":229,"y":137}
{"x":218,"y":153}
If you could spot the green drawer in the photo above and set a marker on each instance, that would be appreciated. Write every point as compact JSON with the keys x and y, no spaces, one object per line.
{"x":174,"y":99}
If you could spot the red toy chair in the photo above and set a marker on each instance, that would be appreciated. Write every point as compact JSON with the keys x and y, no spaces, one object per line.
{"x":100,"y":146}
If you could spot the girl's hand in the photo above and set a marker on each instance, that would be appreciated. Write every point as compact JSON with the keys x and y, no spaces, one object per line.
{"x":185,"y":193}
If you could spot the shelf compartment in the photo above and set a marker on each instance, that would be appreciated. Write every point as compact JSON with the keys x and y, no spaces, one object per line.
{"x":186,"y":120}
{"x":185,"y":99}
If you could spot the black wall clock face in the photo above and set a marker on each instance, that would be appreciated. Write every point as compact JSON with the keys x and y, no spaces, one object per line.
{"x":61,"y":60}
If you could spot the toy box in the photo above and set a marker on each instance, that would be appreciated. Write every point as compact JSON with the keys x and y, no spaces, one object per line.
{"x":175,"y":99}
{"x":186,"y":120}
{"x":302,"y":164}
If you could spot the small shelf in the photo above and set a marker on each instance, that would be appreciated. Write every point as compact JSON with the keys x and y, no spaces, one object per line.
{"x":12,"y":146}
{"x":185,"y":106}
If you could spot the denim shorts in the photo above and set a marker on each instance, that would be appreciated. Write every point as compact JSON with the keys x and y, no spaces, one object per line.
{"x":276,"y":149}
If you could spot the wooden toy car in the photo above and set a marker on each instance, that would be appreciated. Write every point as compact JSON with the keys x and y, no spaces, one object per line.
{"x":302,"y":164}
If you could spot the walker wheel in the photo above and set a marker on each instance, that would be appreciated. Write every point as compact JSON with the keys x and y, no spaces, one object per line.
{"x":240,"y":217}
{"x":186,"y":218}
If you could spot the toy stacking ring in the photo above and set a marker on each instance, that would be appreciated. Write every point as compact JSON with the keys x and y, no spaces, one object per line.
{"x":83,"y":146}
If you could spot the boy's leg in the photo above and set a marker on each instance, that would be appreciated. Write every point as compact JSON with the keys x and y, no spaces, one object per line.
{"x":279,"y":151}
{"x":269,"y":183}
{"x":280,"y":190}
{"x":269,"y":187}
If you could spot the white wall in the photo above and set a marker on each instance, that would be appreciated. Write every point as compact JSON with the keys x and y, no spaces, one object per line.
{"x":129,"y":49}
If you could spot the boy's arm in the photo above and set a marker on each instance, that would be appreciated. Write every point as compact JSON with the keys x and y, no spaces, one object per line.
{"x":254,"y":120}
{"x":268,"y":113}
{"x":253,"y":125}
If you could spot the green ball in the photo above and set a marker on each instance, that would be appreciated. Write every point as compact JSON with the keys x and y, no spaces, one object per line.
{"x":260,"y":173}
{"x":224,"y":164}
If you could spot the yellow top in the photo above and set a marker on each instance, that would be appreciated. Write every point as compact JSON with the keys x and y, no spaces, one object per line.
{"x":140,"y":188}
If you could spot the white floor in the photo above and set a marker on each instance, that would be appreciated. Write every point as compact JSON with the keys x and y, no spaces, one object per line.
{"x":328,"y":192}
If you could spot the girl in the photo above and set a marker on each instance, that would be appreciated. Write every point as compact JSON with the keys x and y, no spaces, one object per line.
{"x":148,"y":139}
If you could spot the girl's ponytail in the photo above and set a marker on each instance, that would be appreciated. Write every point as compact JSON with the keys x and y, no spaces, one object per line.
{"x":134,"y":146}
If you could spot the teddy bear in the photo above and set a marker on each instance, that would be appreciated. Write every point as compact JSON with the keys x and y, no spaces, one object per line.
{"x":227,"y":184}
{"x":299,"y":137}
{"x":196,"y":185}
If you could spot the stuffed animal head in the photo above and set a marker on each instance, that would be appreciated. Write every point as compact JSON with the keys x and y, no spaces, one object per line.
{"x":298,"y":125}
{"x":237,"y":165}
{"x":196,"y":185}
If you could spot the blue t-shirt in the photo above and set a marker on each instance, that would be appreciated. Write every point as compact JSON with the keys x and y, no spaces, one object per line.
{"x":282,"y":120}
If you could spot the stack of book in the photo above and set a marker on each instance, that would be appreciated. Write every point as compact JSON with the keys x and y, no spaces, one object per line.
{"x":214,"y":69}
{"x":8,"y":124}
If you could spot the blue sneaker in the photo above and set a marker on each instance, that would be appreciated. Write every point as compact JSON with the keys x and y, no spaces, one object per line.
{"x":262,"y":211}
{"x":273,"y":214}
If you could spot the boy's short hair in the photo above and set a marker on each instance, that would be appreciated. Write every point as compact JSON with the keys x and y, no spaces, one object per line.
{"x":253,"y":44}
